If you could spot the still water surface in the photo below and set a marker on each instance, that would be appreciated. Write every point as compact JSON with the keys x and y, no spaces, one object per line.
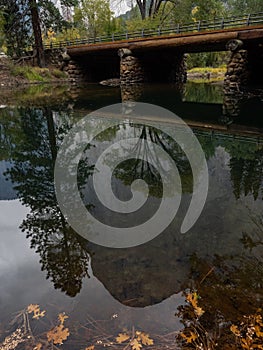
{"x":106,"y":291}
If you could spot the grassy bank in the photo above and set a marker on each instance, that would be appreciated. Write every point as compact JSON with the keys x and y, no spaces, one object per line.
{"x":206,"y":74}
{"x":36,"y":74}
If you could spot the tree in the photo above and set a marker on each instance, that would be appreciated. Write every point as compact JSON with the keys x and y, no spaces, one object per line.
{"x":48,"y":8}
{"x":24,"y":17}
{"x":96,"y":17}
{"x":239,"y":7}
{"x":37,"y":33}
{"x":16,"y":26}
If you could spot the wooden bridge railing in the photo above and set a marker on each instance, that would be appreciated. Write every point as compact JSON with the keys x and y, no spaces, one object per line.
{"x":216,"y":24}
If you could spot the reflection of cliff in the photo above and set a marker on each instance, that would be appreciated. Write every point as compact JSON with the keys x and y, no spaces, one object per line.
{"x":143,"y":275}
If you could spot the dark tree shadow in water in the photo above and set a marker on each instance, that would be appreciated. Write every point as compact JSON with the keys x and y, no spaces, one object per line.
{"x":62,"y":252}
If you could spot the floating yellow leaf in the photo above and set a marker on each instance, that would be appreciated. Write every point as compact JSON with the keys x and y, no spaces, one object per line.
{"x":92,"y":347}
{"x":189,"y":338}
{"x":36,"y":310}
{"x":198,"y":311}
{"x":258,"y":331}
{"x":32,"y":308}
{"x":145,"y":339}
{"x":245,"y":345}
{"x":62,"y":317}
{"x":192,"y":299}
{"x":235,"y":330}
{"x":122,"y":337}
{"x":39,"y":314}
{"x":136,"y":345}
{"x":58,"y":334}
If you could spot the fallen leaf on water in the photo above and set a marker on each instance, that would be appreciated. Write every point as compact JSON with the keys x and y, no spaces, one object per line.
{"x":32,"y":307}
{"x":145,"y":339}
{"x":235,"y":330}
{"x":36,"y":310}
{"x":122,"y":337}
{"x":189,"y":338}
{"x":199,"y":311}
{"x":38,"y":346}
{"x":136,"y":345}
{"x":192,"y":299}
{"x":92,"y":347}
{"x":62,"y":317}
{"x":58,"y":334}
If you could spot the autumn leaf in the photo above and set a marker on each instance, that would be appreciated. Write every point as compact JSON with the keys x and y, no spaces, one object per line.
{"x":38,"y":346}
{"x":245,"y":345}
{"x":136,"y":345}
{"x":32,"y":307}
{"x":36,"y":310}
{"x":192,"y":299}
{"x":258,"y":331}
{"x":198,"y":311}
{"x":189,"y":338}
{"x":92,"y":347}
{"x":39,"y":314}
{"x":58,"y":334}
{"x":145,"y":339}
{"x":62,"y":317}
{"x":122,"y":337}
{"x":235,"y":330}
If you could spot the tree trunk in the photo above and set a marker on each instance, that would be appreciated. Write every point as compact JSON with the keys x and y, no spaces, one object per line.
{"x":37,"y":33}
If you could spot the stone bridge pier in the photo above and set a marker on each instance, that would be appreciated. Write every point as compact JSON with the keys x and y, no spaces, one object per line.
{"x":152,"y":67}
{"x":245,"y":67}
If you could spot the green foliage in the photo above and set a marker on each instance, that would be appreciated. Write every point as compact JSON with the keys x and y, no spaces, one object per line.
{"x":96,"y":17}
{"x":207,"y":59}
{"x":17,"y":22}
{"x":239,"y":7}
{"x":36,"y":74}
{"x":2,"y":23}
{"x":16,"y":26}
{"x":31,"y":73}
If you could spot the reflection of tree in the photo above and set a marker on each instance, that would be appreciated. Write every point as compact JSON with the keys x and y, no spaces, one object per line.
{"x":142,"y":168}
{"x":33,"y":155}
{"x":256,"y":239}
{"x":246,"y":162}
{"x":246,"y":168}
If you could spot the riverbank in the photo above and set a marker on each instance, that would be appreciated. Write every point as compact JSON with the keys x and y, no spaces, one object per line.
{"x":206,"y":74}
{"x":16,"y":75}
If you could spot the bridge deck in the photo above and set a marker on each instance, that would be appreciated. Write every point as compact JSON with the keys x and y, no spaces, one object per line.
{"x":214,"y":40}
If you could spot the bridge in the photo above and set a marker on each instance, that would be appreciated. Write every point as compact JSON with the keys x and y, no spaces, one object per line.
{"x":158,"y":55}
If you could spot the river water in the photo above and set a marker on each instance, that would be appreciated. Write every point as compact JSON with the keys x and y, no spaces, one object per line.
{"x":107,"y":290}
